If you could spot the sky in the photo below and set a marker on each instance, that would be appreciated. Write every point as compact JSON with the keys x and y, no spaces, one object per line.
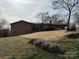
{"x":15,"y":10}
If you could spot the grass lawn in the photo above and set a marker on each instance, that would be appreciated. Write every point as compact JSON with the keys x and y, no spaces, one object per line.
{"x":19,"y":48}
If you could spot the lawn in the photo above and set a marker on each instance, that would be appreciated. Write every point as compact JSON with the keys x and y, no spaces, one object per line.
{"x":18,"y":48}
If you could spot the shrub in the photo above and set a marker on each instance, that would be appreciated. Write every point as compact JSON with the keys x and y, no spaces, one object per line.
{"x":4,"y":33}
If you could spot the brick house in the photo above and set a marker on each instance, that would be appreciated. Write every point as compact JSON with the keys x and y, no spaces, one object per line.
{"x":21,"y":27}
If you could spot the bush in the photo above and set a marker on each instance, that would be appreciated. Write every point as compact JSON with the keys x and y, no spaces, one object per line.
{"x":4,"y":33}
{"x":72,"y":26}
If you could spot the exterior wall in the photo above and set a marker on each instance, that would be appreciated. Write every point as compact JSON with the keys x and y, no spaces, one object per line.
{"x":20,"y":28}
{"x":37,"y":27}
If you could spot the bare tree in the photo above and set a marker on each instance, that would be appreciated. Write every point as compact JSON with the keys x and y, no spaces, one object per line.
{"x":43,"y":16}
{"x":3,"y":22}
{"x":69,"y":5}
{"x":55,"y":18}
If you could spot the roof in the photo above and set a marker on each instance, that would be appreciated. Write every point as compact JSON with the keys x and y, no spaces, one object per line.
{"x":38,"y":23}
{"x":21,"y":21}
{"x":24,"y":21}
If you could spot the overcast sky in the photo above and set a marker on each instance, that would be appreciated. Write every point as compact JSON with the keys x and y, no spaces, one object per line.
{"x":14,"y":10}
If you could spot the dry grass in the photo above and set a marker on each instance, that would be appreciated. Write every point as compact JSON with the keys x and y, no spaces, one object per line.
{"x":47,"y":35}
{"x":19,"y":44}
{"x":11,"y":45}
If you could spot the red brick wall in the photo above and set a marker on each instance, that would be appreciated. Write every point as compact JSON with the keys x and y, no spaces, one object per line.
{"x":20,"y":28}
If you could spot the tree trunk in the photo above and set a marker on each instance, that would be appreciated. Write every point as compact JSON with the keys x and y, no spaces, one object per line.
{"x":68,"y":23}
